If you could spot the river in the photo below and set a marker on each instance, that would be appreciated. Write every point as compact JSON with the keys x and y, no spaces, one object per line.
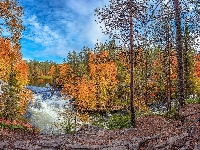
{"x":46,"y":111}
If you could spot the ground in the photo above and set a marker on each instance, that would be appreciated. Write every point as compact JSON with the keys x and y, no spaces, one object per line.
{"x":151,"y":132}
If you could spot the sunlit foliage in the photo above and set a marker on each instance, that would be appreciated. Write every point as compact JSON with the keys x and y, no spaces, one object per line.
{"x":13,"y":70}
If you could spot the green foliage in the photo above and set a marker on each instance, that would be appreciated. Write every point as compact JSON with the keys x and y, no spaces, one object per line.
{"x":143,"y":113}
{"x":69,"y":127}
{"x":14,"y":127}
{"x":192,"y":100}
{"x":115,"y":121}
{"x":10,"y":98}
{"x":39,"y":72}
{"x":45,"y":77}
{"x":100,"y":121}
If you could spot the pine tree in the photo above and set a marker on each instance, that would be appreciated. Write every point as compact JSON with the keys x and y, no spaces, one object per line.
{"x":179,"y":50}
{"x":121,"y":16}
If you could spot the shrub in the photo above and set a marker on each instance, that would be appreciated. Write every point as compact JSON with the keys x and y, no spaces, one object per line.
{"x":115,"y":121}
{"x":192,"y":100}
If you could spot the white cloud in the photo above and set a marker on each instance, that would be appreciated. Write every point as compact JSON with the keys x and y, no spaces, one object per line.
{"x":83,"y":7}
{"x":42,"y":34}
{"x":79,"y":6}
{"x":95,"y":32}
{"x":69,"y":31}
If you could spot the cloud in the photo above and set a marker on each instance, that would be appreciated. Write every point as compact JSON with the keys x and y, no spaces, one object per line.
{"x":84,"y":7}
{"x":79,"y":6}
{"x":42,"y":34}
{"x":58,"y":28}
{"x":95,"y":32}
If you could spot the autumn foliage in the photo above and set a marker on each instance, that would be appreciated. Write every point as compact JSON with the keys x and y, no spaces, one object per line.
{"x":93,"y":91}
{"x":20,"y":75}
{"x":100,"y":81}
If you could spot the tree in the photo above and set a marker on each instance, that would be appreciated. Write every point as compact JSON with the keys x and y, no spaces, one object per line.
{"x":177,"y":14}
{"x":119,"y":19}
{"x":93,"y":91}
{"x":188,"y":53}
{"x":179,"y":50}
{"x":11,"y":13}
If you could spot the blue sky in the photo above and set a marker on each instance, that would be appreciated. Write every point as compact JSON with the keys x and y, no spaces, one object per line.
{"x":56,"y":27}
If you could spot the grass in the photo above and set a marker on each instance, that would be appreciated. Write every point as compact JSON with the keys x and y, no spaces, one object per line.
{"x":192,"y":100}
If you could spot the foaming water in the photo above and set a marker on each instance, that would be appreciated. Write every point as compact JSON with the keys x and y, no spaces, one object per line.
{"x":45,"y":113}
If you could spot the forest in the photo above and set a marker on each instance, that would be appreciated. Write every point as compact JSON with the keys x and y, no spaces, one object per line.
{"x":158,"y":61}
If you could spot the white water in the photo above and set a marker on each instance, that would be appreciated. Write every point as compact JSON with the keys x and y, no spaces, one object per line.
{"x":43,"y":114}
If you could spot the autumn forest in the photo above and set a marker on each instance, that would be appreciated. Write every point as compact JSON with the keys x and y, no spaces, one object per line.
{"x":157,"y":62}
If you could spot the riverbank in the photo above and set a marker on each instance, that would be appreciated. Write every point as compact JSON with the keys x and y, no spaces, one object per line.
{"x":151,"y":132}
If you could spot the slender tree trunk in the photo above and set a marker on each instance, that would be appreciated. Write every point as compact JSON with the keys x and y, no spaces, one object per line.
{"x":186,"y":65}
{"x":179,"y":50}
{"x":131,"y":66}
{"x":168,"y":69}
{"x":146,"y":77}
{"x":169,"y":77}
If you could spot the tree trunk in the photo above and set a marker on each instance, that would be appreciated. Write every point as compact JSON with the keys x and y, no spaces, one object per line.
{"x":146,"y":78}
{"x":168,"y":69}
{"x":186,"y":64}
{"x":179,"y":50}
{"x":131,"y":66}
